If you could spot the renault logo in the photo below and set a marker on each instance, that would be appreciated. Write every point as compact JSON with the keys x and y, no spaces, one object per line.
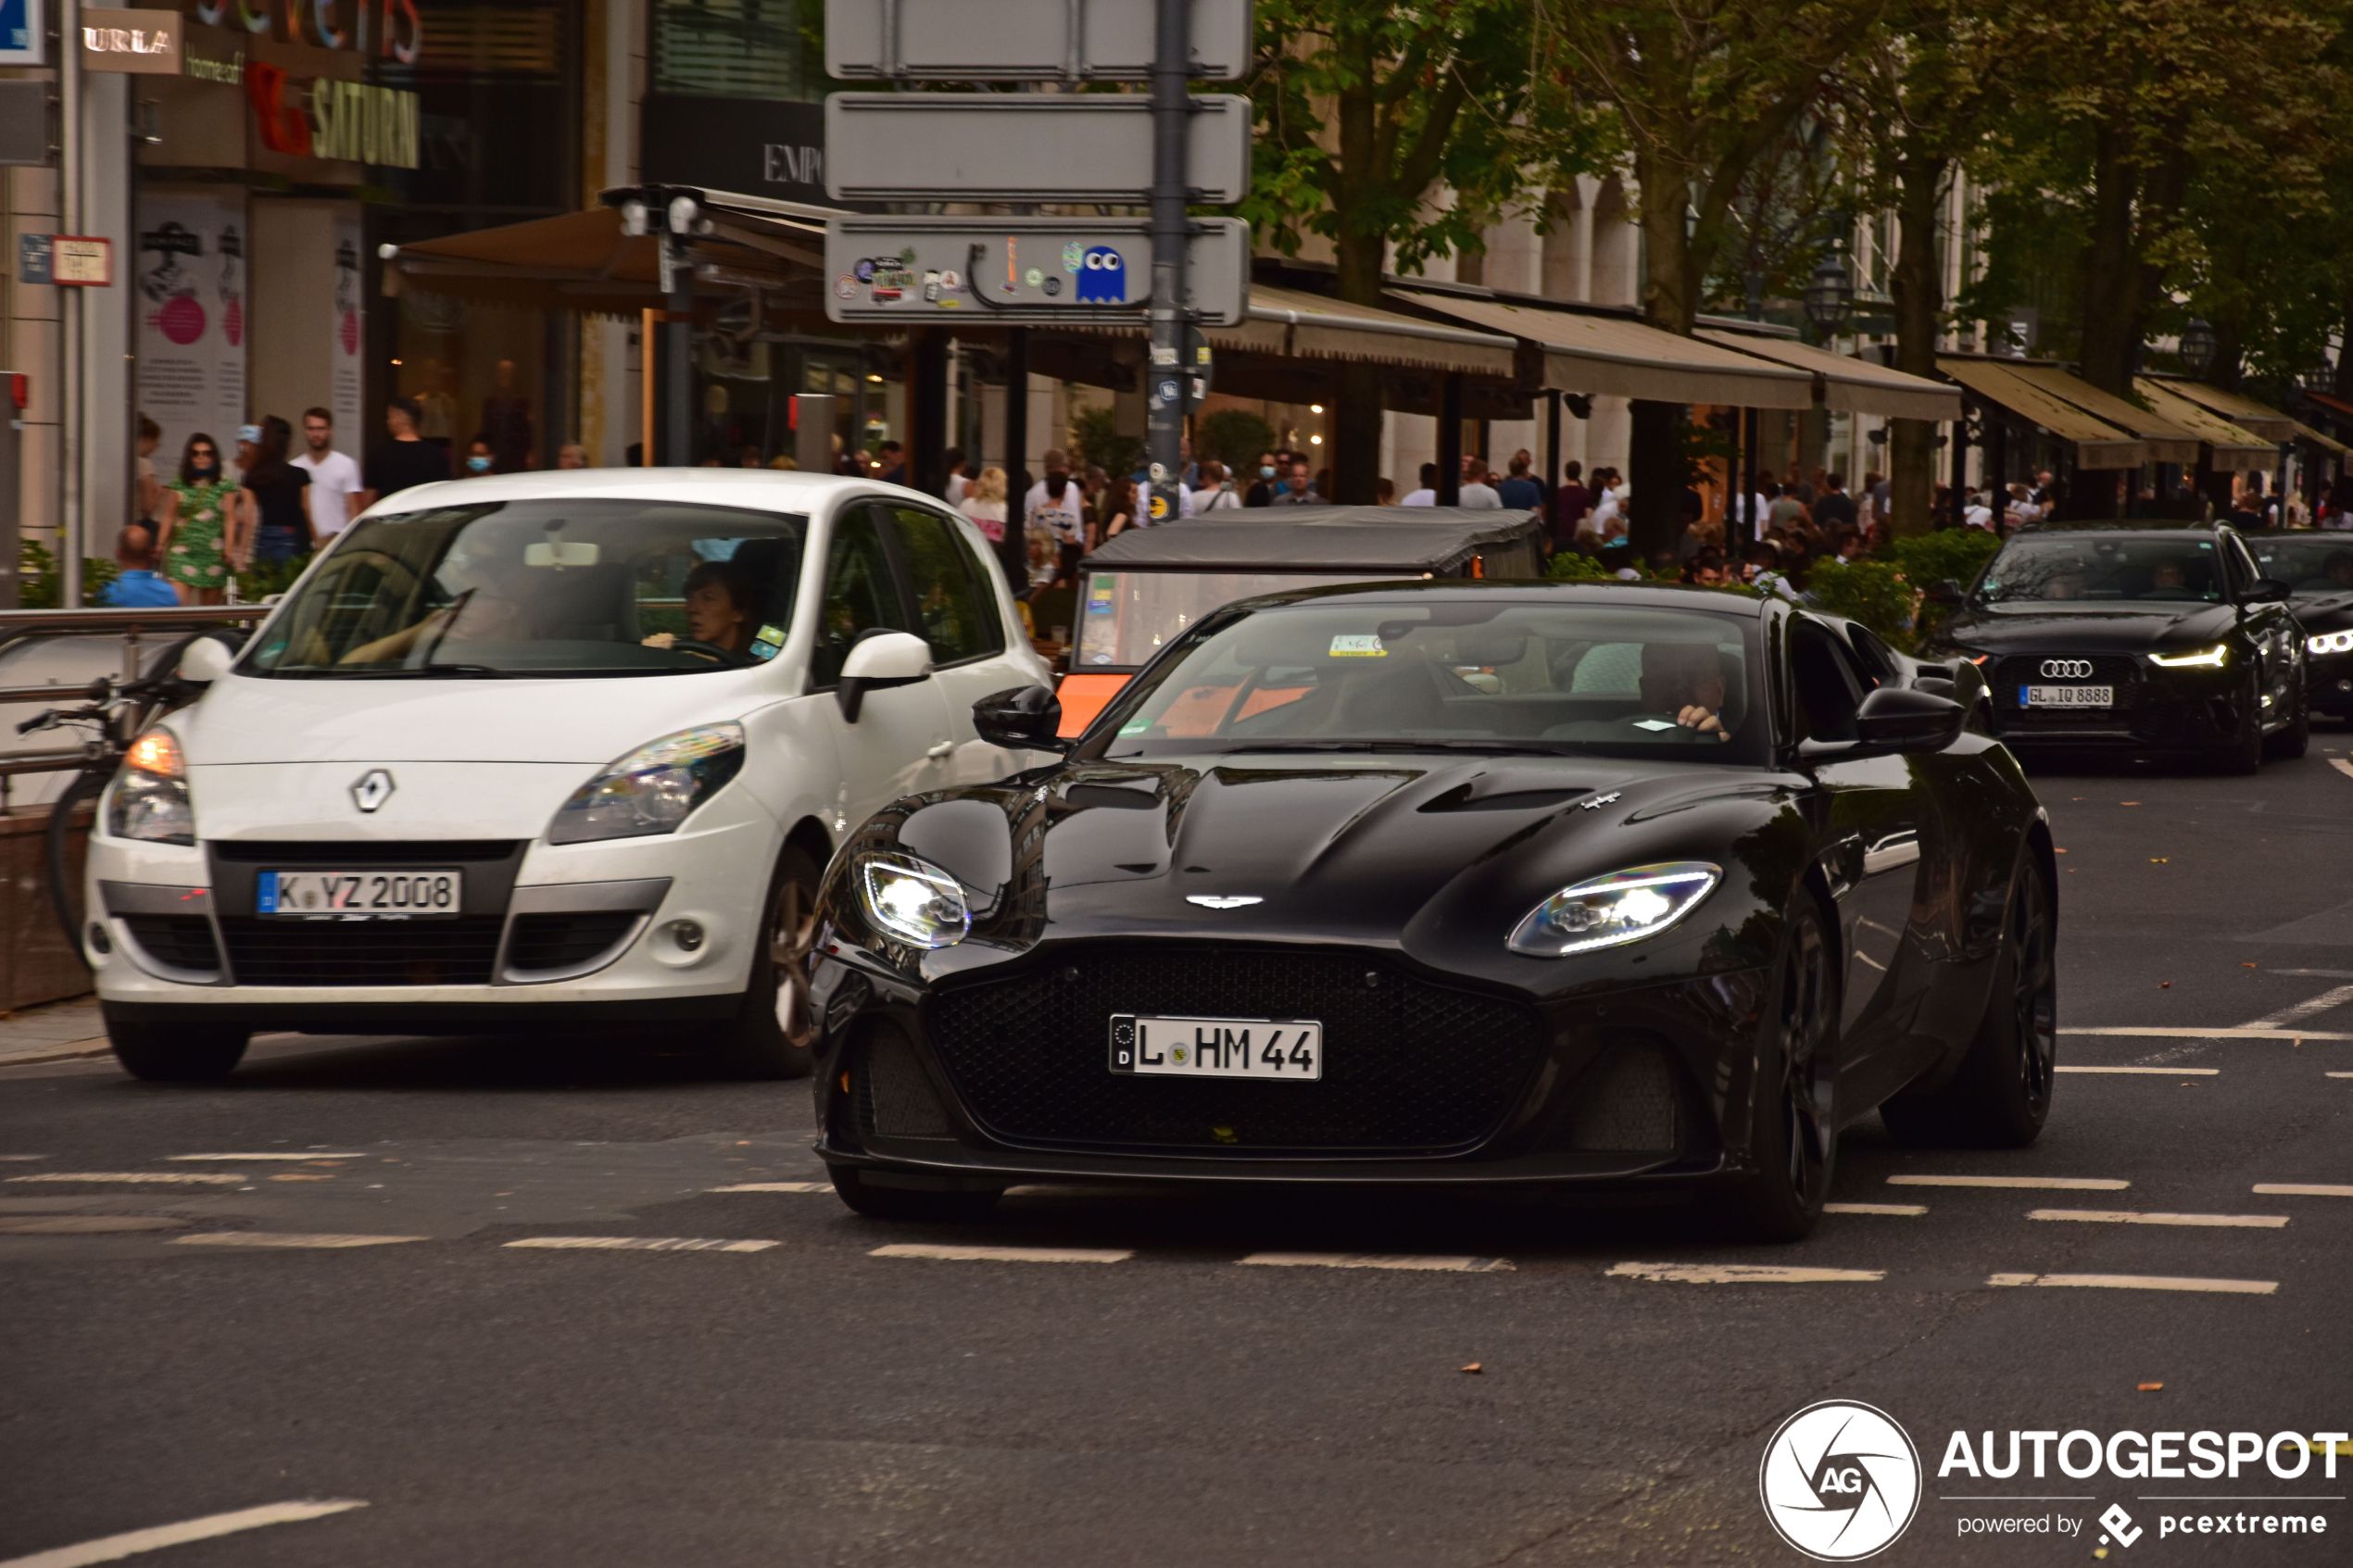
{"x":373,"y":790}
{"x":1223,"y":900}
{"x":2068,"y":668}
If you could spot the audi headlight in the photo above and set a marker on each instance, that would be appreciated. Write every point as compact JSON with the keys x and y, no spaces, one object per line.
{"x":1622,"y":907}
{"x":914,"y":900}
{"x":654,"y":788}
{"x":2201,"y":658}
{"x":2328,"y":642}
{"x":150,"y":798}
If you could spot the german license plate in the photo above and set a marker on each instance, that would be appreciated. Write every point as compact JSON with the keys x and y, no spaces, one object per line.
{"x":426,"y":895}
{"x":1217,"y":1048}
{"x":2067,"y":697}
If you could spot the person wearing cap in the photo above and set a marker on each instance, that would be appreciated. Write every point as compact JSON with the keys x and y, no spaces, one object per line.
{"x":248,"y":447}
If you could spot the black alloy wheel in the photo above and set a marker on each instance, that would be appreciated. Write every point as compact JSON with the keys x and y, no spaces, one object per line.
{"x":774,"y":1034}
{"x":1794,"y":1141}
{"x":2294,"y":739}
{"x":2242,"y":753}
{"x":2000,"y":1096}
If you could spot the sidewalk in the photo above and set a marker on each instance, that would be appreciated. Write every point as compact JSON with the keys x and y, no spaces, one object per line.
{"x":55,"y":1033}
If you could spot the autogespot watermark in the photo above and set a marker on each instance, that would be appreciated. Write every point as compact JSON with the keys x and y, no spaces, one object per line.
{"x":1842,"y":1481}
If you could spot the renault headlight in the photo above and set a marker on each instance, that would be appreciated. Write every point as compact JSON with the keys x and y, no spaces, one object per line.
{"x":150,"y":798}
{"x":914,"y":900}
{"x":2328,"y":642}
{"x":654,"y":788}
{"x":2201,"y":658}
{"x":1622,"y":907}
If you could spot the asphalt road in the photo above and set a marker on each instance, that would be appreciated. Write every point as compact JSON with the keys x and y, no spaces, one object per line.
{"x":1156,"y":1399}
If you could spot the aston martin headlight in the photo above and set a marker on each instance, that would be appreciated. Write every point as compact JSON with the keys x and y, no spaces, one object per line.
{"x":150,"y":798}
{"x":2328,"y":642}
{"x":2199,"y":659}
{"x":1622,"y":907}
{"x":914,"y":901}
{"x":654,"y":788}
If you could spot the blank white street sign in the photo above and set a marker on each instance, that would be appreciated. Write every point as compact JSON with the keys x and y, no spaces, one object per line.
{"x":1025,"y":146}
{"x":1024,"y":40}
{"x":1024,"y":271}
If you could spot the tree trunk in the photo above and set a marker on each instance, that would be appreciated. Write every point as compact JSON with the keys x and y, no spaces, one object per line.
{"x":2111,"y":319}
{"x":1916,"y":282}
{"x":1356,"y":416}
{"x":1671,"y":302}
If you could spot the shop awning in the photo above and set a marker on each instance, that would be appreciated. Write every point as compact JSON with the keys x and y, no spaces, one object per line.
{"x":2097,"y":444}
{"x":1855,"y":385}
{"x":2326,"y":443}
{"x":1618,"y":357}
{"x":2259,"y":420}
{"x":2340,"y":407}
{"x":2168,"y":442}
{"x":2229,"y":441}
{"x":1292,"y":325}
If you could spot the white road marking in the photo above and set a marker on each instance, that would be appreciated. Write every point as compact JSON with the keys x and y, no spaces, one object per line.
{"x":2337,"y":1074}
{"x":641,"y":1244}
{"x":778,"y":1186}
{"x":2129,"y":1217}
{"x":2342,"y":766}
{"x":287,"y":1238}
{"x":2327,"y":1001}
{"x":23,"y":1157}
{"x":1002,"y":1254}
{"x":2059,"y":1183}
{"x":1742,"y":1273}
{"x":144,"y":1178}
{"x":1376,"y":1260}
{"x":2154,"y":1071}
{"x":2301,"y":1189}
{"x":113,"y":1549}
{"x":238,"y":1156}
{"x":86,"y":1224}
{"x":2216,"y":1033}
{"x":2133,"y":1282}
{"x":1898,"y":1209}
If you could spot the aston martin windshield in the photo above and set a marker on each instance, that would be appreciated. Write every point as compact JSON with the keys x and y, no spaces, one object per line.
{"x":2310,"y":564}
{"x":542,"y":588}
{"x":1353,"y":675}
{"x":2096,"y":568}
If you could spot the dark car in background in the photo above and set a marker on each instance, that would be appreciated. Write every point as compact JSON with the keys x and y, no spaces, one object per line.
{"x":2135,"y":638}
{"x":1489,"y":887}
{"x":2318,"y":569}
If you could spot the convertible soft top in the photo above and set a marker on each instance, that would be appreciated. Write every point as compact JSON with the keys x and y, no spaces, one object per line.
{"x":1321,"y":539}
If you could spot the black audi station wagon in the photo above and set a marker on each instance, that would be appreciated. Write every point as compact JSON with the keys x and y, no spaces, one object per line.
{"x":1505,"y":885}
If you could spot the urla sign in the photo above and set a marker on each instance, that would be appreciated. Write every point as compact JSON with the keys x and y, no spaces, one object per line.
{"x":390,"y":28}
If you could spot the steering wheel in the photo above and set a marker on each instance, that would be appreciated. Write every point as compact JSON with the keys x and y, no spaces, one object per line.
{"x":694,"y":644}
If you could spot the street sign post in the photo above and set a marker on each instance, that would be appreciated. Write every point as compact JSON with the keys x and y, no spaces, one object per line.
{"x":1026,"y":147}
{"x":1026,"y":40}
{"x":1025,"y":271}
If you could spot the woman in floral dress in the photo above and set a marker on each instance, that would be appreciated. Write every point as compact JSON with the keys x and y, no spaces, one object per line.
{"x":204,"y":529}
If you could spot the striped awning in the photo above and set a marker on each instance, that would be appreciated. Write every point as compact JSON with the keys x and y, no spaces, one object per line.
{"x":1619,"y":357}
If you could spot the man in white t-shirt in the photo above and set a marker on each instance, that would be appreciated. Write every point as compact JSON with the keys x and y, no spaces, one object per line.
{"x":334,"y":478}
{"x":1427,"y":496}
{"x":1478,"y":494}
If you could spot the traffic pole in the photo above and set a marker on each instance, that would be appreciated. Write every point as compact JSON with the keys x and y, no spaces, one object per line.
{"x":1164,"y":429}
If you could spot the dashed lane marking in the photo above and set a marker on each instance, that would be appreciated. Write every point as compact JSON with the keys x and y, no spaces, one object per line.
{"x":1900,"y":1210}
{"x":287,"y":1238}
{"x":231,"y":1158}
{"x":639,"y":1244}
{"x":2301,"y":1189}
{"x":1376,"y":1261}
{"x":2154,"y":1071}
{"x":2129,"y":1217}
{"x":2327,"y":1001}
{"x":139,"y":1178}
{"x":1002,"y":1254}
{"x":2216,"y":1033}
{"x":113,"y":1549}
{"x":2134,"y":1282}
{"x":2337,"y":1074}
{"x":2342,"y":766}
{"x":2054,"y":1184}
{"x":778,"y":1186}
{"x":86,"y":1224}
{"x":1742,"y":1274}
{"x":13,"y":1157}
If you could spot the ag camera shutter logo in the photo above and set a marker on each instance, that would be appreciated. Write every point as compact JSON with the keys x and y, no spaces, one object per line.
{"x":1840,"y":1481}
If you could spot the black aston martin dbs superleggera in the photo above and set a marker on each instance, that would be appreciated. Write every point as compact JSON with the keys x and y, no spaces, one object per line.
{"x":1498,"y":885}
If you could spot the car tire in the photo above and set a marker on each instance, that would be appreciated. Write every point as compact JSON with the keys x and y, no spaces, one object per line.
{"x":1793,"y":1138}
{"x":2293,"y":739}
{"x":921,"y":1205}
{"x":774,"y":1034}
{"x":163,"y":1053}
{"x":2243,"y":754}
{"x":2001,"y":1094}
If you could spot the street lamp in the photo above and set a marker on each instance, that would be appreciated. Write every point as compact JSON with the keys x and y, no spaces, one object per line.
{"x":2196,"y":346}
{"x":1829,"y":297}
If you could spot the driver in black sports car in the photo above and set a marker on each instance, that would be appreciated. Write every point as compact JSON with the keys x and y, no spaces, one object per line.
{"x":1685,"y":681}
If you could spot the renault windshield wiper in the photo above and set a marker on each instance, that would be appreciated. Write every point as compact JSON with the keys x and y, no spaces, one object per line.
{"x":1536,"y":748}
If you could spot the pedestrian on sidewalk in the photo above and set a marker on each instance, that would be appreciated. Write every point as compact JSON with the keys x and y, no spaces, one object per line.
{"x":334,"y":478}
{"x":984,"y":502}
{"x":204,"y":524}
{"x":138,"y":585}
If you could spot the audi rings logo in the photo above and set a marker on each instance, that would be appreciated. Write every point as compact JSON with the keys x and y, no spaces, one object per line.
{"x":1840,"y":1481}
{"x":2068,"y":668}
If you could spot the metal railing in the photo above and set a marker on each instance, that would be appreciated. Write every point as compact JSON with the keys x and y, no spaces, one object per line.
{"x":172,"y":623}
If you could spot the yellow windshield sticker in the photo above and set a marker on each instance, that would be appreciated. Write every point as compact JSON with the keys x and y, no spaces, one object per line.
{"x":1358,"y":645}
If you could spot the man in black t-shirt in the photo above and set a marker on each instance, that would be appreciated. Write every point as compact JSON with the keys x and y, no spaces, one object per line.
{"x":404,"y":460}
{"x":1834,"y":505}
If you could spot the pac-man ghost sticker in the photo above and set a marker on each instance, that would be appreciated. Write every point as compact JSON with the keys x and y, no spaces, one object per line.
{"x":1102,"y":278}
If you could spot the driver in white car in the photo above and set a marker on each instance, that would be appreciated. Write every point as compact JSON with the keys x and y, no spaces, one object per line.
{"x":719,"y":600}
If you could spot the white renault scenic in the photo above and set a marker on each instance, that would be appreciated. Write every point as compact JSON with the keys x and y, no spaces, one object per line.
{"x":540,"y":751}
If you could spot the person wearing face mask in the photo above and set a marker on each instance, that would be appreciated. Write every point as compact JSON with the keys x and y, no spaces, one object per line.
{"x":1262,"y":491}
{"x":479,"y":456}
{"x":203,"y":524}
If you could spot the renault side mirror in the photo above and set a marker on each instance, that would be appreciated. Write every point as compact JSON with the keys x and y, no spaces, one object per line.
{"x":205,"y":660}
{"x":880,"y":660}
{"x":1021,"y":718}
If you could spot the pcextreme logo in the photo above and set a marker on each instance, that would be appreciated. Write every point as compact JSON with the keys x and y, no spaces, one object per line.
{"x":1840,"y":1481}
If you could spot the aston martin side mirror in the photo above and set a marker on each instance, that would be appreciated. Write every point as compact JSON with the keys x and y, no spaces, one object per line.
{"x":2265,"y":591}
{"x":1943,"y":591}
{"x":1908,"y":719}
{"x":1021,"y":718}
